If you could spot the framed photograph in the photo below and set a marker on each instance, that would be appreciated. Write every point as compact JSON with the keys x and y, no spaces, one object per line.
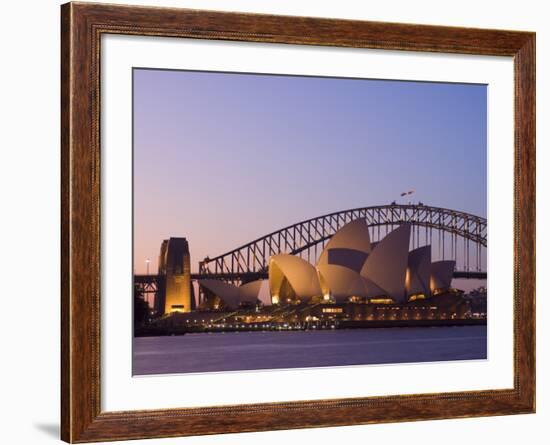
{"x":275,"y":222}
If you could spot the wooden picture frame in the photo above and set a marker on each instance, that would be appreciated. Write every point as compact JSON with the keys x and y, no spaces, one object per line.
{"x":82,"y":26}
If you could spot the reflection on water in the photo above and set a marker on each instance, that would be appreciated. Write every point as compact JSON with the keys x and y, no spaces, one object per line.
{"x":269,"y":350}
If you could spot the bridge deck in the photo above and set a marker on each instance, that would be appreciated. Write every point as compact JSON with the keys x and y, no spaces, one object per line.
{"x":251,"y":276}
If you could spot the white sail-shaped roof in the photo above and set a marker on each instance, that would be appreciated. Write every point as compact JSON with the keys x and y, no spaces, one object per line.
{"x":228,"y":293}
{"x":373,"y":290}
{"x":231,"y":295}
{"x":386,"y":266}
{"x":264,"y":295}
{"x":299,"y":274}
{"x":341,"y":282}
{"x":348,"y":247}
{"x":248,"y":293}
{"x":418,"y":271}
{"x":441,"y":274}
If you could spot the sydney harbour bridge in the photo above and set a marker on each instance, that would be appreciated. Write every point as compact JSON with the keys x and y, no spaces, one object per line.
{"x":453,"y":235}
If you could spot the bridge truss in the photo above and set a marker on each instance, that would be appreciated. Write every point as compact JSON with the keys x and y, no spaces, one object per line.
{"x":452,"y":234}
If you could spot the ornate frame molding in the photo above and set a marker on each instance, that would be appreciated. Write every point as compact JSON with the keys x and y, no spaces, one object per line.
{"x":82,"y":25}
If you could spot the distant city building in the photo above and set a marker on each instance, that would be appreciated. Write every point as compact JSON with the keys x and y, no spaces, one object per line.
{"x":176,"y":293}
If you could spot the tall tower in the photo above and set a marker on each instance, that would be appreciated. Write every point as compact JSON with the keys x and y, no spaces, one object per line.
{"x":176,"y":265}
{"x":160,"y":297}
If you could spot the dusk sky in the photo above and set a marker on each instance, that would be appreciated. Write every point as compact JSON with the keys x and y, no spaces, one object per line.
{"x":223,"y":159}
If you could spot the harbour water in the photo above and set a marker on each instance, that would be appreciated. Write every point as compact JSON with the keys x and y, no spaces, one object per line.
{"x":233,"y":351}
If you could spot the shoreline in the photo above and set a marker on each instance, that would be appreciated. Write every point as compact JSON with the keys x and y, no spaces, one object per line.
{"x":319,"y":326}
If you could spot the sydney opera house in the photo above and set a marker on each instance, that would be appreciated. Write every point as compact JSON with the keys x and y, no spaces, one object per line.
{"x":350,"y":269}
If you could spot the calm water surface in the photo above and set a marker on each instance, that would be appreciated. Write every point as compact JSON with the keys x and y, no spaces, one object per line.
{"x":234,"y":351}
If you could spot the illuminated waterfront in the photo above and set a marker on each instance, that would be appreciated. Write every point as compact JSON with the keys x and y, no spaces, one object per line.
{"x":232,"y":351}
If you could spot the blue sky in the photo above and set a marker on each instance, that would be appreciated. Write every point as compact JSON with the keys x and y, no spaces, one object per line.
{"x":224,"y":158}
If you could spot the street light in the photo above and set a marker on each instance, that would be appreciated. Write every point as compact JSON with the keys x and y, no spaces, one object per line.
{"x":147,"y":261}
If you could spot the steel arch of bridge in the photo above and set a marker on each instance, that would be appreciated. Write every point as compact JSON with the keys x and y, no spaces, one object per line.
{"x":252,"y":258}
